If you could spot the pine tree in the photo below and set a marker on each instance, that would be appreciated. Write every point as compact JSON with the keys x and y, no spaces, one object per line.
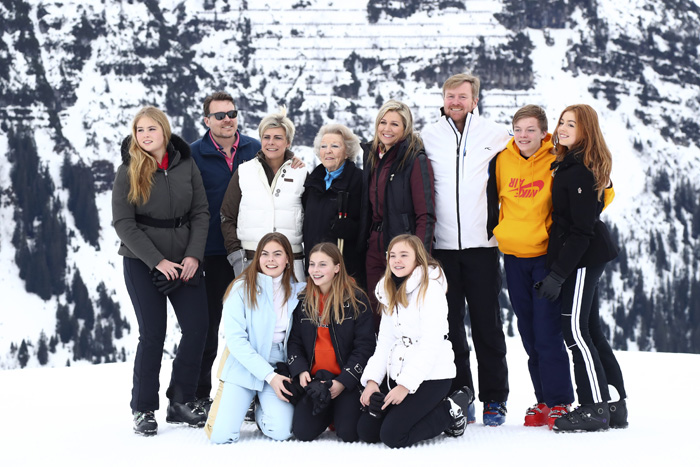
{"x":83,"y":305}
{"x":81,"y":200}
{"x":23,"y":354}
{"x":53,"y":341}
{"x":64,"y":327}
{"x":86,"y":343}
{"x":42,"y":353}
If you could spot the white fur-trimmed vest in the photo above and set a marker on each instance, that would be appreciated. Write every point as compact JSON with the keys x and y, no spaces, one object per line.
{"x":266,"y":208}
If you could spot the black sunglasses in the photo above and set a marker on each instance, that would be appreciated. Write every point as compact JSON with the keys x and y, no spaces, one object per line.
{"x":220,"y":115}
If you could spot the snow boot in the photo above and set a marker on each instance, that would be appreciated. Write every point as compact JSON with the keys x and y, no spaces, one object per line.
{"x":537,"y":415}
{"x":459,"y":403}
{"x":556,"y":412}
{"x":494,"y":413}
{"x":188,"y":413}
{"x":618,"y":414}
{"x":145,"y":423}
{"x":588,"y":417}
{"x":205,"y":403}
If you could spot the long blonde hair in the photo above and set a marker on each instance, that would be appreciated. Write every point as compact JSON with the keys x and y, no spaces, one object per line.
{"x":249,"y":276}
{"x":596,"y":155}
{"x":343,"y":288}
{"x":398,"y":296}
{"x":415,"y":144}
{"x":142,"y":165}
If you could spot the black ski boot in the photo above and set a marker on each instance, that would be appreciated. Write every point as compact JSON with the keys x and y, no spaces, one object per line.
{"x":145,"y":423}
{"x":459,"y":402}
{"x":205,"y":403}
{"x":188,"y":413}
{"x":618,"y":414}
{"x":588,"y":417}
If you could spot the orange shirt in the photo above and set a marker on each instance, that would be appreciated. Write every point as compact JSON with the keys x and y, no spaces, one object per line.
{"x":324,"y":353}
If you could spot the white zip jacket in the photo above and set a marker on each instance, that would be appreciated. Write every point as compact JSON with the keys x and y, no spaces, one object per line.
{"x":268,"y":208}
{"x":460,"y":165}
{"x":412,"y":345}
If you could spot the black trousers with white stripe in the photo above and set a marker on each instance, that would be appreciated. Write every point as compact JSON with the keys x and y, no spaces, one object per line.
{"x":595,"y":365}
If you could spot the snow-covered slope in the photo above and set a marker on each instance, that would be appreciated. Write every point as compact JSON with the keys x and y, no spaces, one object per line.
{"x":81,"y":417}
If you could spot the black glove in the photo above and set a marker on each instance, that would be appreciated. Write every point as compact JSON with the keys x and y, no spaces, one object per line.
{"x":283,"y":369}
{"x":550,"y":287}
{"x":344,"y":228}
{"x":194,"y":280}
{"x":376,"y":401}
{"x":162,"y":283}
{"x":319,"y":392}
{"x":295,"y":388}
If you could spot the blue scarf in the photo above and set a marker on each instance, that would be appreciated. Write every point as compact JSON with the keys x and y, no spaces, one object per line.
{"x":330,"y":176}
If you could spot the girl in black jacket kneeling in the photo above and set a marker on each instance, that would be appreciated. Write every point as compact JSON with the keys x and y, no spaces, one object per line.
{"x":331,"y":340}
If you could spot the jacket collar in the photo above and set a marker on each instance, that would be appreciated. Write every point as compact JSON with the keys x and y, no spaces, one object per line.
{"x":316,"y":178}
{"x":175,"y":145}
{"x":413,"y":282}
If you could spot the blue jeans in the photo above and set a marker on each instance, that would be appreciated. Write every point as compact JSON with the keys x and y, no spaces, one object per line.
{"x":274,"y":416}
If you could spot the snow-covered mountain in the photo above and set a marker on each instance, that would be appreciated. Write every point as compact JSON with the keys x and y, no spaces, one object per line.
{"x":73,"y":73}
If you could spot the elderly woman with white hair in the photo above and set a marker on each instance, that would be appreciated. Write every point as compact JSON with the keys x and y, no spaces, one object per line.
{"x":333,"y":194}
{"x":264,"y":196}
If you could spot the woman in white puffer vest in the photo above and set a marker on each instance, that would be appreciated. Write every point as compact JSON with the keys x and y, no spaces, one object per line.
{"x":264,"y":195}
{"x":413,"y":355}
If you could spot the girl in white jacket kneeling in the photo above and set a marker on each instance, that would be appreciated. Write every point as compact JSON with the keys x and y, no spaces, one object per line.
{"x":413,"y":353}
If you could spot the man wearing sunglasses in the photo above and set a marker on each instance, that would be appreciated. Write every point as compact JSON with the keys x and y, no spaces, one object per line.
{"x":217,"y":154}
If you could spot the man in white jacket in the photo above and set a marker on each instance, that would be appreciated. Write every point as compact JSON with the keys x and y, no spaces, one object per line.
{"x":460,"y":145}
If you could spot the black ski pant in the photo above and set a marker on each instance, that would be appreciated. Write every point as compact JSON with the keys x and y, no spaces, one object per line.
{"x":473,"y":275}
{"x":595,"y":365}
{"x":219,"y":274}
{"x":344,"y":412}
{"x":151,"y":311}
{"x":420,"y":416}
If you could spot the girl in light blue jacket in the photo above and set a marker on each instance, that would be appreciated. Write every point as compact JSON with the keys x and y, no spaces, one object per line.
{"x":257,"y":314}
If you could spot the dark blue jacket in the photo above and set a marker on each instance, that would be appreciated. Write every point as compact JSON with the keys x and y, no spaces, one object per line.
{"x":216,"y":177}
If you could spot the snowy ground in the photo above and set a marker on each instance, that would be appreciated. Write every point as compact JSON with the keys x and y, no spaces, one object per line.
{"x":80,"y":416}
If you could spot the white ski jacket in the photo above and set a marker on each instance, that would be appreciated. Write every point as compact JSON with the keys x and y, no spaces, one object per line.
{"x":460,"y":165}
{"x":412,"y":345}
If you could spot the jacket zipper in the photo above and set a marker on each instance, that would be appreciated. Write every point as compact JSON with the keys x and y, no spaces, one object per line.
{"x":382,"y":161}
{"x":170,"y":206}
{"x":458,"y":137}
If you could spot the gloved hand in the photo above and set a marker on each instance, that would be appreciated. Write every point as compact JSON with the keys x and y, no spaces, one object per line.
{"x":162,"y":283}
{"x":344,"y":228}
{"x":550,"y":286}
{"x":319,"y":392}
{"x":237,"y":261}
{"x":294,"y":387}
{"x":282,"y":368}
{"x":297,"y":391}
{"x":376,"y":401}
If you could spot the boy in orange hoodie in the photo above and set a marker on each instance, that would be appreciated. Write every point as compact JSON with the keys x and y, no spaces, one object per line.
{"x":521,"y":179}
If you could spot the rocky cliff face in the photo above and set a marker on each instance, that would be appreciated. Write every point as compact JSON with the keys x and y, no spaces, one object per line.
{"x":72,"y":75}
